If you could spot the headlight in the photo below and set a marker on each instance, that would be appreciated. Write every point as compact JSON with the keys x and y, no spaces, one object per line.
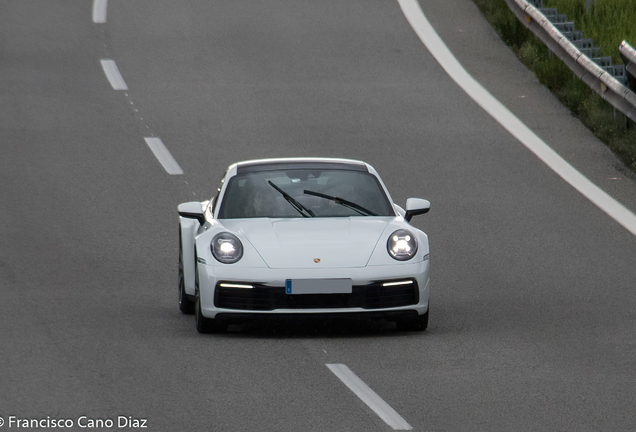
{"x":402,"y":245}
{"x":226,"y":248}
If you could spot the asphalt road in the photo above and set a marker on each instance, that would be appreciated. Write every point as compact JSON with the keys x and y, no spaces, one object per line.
{"x":532,"y":324}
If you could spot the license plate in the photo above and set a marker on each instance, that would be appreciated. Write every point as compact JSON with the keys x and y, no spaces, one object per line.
{"x":318,"y":286}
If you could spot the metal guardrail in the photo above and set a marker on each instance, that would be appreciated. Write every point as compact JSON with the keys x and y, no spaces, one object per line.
{"x":628,"y":54}
{"x":597,"y":78}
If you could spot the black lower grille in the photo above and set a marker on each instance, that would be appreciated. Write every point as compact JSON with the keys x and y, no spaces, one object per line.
{"x":264,"y":298}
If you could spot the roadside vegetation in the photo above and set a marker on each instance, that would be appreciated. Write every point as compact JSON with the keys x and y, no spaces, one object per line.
{"x":608,"y":23}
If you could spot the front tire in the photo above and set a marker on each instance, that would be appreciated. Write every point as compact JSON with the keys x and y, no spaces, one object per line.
{"x":419,"y":323}
{"x":203,"y":324}
{"x":186,"y":305}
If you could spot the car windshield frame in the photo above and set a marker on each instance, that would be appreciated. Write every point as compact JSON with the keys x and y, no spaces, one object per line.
{"x":334,"y":193}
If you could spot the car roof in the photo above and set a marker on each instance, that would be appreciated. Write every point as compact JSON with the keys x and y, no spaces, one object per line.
{"x":299,"y":163}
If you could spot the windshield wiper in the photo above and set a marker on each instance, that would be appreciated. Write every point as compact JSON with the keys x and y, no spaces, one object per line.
{"x":343,"y":202}
{"x":295,"y":204}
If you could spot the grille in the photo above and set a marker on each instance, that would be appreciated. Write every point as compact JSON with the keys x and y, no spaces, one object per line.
{"x":264,"y":298}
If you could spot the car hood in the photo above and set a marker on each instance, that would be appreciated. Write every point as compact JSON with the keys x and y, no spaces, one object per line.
{"x":298,"y":243}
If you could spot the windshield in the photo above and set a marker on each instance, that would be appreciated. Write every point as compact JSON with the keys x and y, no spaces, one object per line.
{"x":304,"y":193}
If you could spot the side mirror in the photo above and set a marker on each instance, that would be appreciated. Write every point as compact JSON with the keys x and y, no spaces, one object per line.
{"x":416,"y":206}
{"x":192,"y":210}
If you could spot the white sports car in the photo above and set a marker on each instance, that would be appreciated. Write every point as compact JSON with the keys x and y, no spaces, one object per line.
{"x":302,"y":236}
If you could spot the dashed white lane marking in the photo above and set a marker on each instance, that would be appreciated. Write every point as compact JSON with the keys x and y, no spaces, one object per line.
{"x":509,"y":121}
{"x":99,"y":11}
{"x":117,"y":82}
{"x":163,"y":155}
{"x":113,"y":75}
{"x":369,"y":397}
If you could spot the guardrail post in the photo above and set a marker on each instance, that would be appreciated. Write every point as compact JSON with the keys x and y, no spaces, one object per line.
{"x":628,"y":54}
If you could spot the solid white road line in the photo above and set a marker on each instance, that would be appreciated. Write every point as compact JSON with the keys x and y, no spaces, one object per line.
{"x":99,"y":11}
{"x":369,"y":397}
{"x":163,"y":155}
{"x":509,"y":121}
{"x":113,"y":75}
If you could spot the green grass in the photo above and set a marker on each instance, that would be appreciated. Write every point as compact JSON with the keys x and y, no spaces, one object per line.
{"x":615,"y":20}
{"x":608,"y":23}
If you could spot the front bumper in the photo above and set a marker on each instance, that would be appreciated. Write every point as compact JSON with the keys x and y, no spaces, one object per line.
{"x":267,"y":299}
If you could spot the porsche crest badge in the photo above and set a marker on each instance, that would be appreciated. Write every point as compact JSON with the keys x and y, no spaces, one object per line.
{"x":317,"y":260}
